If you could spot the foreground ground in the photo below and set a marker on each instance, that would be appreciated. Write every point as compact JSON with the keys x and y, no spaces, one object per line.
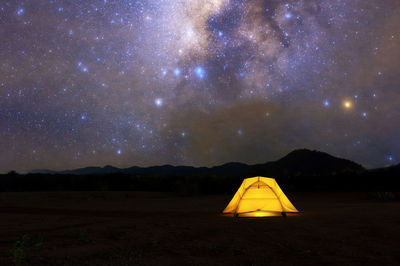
{"x":136,"y":228}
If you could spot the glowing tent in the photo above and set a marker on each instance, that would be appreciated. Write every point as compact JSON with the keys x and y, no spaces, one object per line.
{"x":258,"y":197}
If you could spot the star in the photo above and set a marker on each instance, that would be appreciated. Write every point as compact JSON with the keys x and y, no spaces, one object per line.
{"x":177,"y":72}
{"x":158,"y":102}
{"x":288,"y":15}
{"x":199,"y":71}
{"x":347,"y":104}
{"x":20,"y":11}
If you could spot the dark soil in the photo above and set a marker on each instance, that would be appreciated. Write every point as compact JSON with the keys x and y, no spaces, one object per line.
{"x":139,"y":228}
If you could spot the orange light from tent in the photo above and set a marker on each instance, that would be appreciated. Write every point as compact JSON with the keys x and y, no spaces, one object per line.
{"x":260,"y":214}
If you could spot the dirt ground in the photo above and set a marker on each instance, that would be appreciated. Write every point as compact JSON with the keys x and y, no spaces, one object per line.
{"x":138,"y":228}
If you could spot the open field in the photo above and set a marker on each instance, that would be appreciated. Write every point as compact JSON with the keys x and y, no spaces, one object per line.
{"x":145,"y":228}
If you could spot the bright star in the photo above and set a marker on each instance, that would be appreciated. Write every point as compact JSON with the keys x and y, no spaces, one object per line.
{"x":177,"y":72}
{"x":347,"y":104}
{"x":158,"y":102}
{"x":288,"y":15}
{"x":20,"y":11}
{"x":199,"y":72}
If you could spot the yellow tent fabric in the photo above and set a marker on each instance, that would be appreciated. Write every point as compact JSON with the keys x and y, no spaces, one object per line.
{"x":259,"y":196}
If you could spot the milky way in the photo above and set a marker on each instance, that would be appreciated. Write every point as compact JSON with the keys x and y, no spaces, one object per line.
{"x":197,"y":82}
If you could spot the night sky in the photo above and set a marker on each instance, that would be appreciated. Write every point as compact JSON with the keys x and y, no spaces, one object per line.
{"x":197,"y":82}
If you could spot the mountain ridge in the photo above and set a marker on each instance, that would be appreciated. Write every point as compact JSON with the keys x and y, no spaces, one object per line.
{"x":299,"y":161}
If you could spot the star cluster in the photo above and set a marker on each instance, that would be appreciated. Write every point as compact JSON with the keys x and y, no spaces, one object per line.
{"x":197,"y":82}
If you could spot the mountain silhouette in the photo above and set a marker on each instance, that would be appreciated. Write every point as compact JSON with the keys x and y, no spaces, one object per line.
{"x":306,"y":162}
{"x":393,"y":169}
{"x":296,"y":163}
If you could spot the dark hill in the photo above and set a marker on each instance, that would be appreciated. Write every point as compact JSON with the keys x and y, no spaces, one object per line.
{"x":300,"y":170}
{"x":297,"y":163}
{"x":395,"y":168}
{"x":306,"y":162}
